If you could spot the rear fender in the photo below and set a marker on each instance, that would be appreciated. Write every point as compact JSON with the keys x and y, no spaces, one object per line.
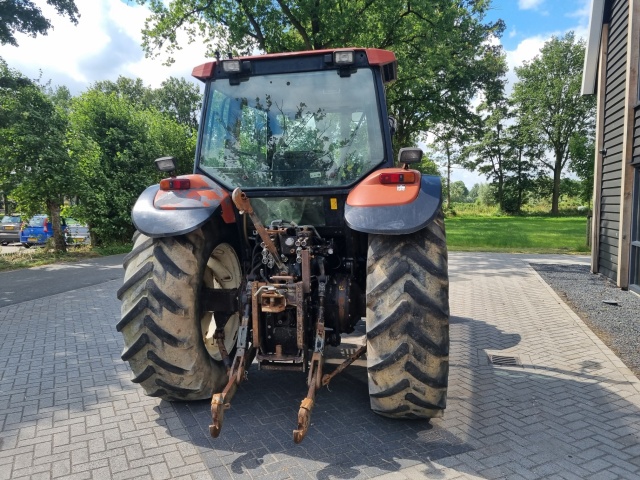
{"x":393,"y":209}
{"x":166,"y":213}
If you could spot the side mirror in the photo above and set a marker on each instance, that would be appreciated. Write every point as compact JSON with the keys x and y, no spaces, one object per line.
{"x":166,"y":164}
{"x":408,"y":156}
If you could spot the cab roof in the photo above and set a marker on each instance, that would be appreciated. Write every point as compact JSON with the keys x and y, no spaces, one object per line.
{"x":309,"y":60}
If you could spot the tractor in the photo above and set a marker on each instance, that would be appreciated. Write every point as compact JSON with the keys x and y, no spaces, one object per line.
{"x":294,"y":226}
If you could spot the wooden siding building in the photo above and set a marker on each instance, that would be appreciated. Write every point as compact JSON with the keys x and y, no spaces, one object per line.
{"x":611,"y":72}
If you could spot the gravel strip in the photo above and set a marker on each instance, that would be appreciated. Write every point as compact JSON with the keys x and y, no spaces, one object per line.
{"x":611,"y":313}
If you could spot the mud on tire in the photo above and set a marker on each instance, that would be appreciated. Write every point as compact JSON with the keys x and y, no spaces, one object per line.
{"x":408,"y":323}
{"x":161,"y":321}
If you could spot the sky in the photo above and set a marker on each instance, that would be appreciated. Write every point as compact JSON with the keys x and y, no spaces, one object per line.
{"x":106,"y":44}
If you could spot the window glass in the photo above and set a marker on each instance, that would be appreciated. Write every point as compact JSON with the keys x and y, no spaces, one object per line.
{"x":37,"y":221}
{"x":293,"y":130}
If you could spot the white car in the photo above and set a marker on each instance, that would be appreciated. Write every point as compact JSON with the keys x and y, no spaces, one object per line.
{"x":77,"y":233}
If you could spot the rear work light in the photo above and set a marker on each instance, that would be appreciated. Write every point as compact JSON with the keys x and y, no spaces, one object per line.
{"x":231,"y":66}
{"x":343,"y":58}
{"x":395,"y":178}
{"x":175,"y":184}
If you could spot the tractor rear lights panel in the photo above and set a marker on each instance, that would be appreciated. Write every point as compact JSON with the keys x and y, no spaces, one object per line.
{"x":397,"y":178}
{"x":175,"y":184}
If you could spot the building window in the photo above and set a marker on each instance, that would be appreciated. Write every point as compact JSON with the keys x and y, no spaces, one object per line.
{"x":634,"y":283}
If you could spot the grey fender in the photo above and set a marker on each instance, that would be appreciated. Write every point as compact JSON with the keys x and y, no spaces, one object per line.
{"x":155,"y":222}
{"x":399,"y":219}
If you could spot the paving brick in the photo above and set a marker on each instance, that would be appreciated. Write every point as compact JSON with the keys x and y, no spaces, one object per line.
{"x":553,"y":419}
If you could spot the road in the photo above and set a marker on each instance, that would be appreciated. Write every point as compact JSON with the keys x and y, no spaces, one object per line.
{"x":32,"y":283}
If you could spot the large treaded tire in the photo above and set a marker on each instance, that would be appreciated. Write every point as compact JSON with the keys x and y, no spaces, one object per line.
{"x":160,"y":323}
{"x":408,"y":323}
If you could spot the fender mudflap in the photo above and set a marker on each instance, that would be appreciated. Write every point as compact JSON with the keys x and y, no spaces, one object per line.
{"x":167,"y":213}
{"x":388,"y":214}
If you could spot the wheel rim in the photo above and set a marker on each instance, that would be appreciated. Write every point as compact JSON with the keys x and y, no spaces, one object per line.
{"x":222,"y":271}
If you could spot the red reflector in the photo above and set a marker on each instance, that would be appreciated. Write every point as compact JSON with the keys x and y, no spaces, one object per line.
{"x":175,"y":184}
{"x":393,"y":178}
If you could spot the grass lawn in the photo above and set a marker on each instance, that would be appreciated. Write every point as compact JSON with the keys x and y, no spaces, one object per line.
{"x":37,"y":256}
{"x":536,"y":234}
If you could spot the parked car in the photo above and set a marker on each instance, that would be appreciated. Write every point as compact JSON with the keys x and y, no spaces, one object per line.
{"x":77,"y":232}
{"x":38,"y":230}
{"x":10,"y":229}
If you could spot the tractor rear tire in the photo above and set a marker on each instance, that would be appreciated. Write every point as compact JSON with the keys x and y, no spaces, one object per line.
{"x":408,"y":322}
{"x":162,"y":323}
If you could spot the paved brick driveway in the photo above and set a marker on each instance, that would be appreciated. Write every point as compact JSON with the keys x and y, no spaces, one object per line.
{"x":571,"y":410}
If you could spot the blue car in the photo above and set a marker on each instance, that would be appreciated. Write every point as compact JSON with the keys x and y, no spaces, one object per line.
{"x":38,"y":230}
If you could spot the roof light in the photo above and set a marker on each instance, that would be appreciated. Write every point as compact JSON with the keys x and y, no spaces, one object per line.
{"x":395,"y":178}
{"x":231,"y":66}
{"x":343,"y":58}
{"x":175,"y":184}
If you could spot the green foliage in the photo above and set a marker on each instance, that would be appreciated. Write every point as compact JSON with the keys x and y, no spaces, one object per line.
{"x":181,"y":100}
{"x":37,"y":168}
{"x":458,"y":192}
{"x":25,"y":17}
{"x":550,"y":107}
{"x":444,"y":47}
{"x":473,"y":193}
{"x":487,"y":194}
{"x":115,"y":142}
{"x":428,"y":166}
{"x":581,"y":162}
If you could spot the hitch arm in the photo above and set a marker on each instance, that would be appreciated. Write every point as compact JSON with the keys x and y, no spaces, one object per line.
{"x":315,"y":371}
{"x":221,"y":401}
{"x":244,"y":205}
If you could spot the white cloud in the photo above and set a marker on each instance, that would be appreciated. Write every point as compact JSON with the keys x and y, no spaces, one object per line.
{"x":528,"y":48}
{"x":529,"y":4}
{"x":512,"y":32}
{"x":583,"y":13}
{"x":104,"y":44}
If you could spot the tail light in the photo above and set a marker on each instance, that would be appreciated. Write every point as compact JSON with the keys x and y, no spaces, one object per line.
{"x":175,"y":184}
{"x":46,"y":229}
{"x":395,"y":178}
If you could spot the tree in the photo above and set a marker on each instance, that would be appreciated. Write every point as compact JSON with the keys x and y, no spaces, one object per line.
{"x":25,"y":17}
{"x":549,"y":104}
{"x":521,"y":155}
{"x":458,"y":192}
{"x":581,"y":159}
{"x":448,"y":147}
{"x":180,"y":99}
{"x":132,"y":90}
{"x":32,"y":145}
{"x":474,"y":192}
{"x":115,"y":140}
{"x":444,"y":47}
{"x":486,"y":153}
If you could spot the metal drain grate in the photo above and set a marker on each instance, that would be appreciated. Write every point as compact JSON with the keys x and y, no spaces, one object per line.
{"x":504,"y":360}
